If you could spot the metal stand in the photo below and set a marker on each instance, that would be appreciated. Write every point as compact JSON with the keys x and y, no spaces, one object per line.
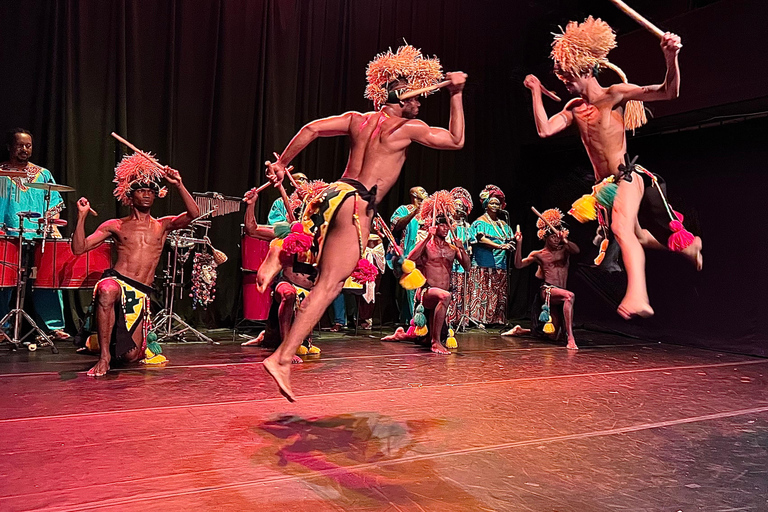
{"x":17,"y":314}
{"x":173,"y":327}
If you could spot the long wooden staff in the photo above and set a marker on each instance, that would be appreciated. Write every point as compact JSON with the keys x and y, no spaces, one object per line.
{"x":416,"y":92}
{"x":640,"y":19}
{"x":283,"y":193}
{"x":553,"y":228}
{"x":137,"y":150}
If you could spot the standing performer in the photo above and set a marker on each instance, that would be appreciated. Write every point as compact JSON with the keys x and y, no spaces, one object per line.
{"x":488,"y":277}
{"x":121,"y":298}
{"x":460,"y":235}
{"x":15,"y":197}
{"x":602,"y":116}
{"x":405,"y":226}
{"x":378,"y":142}
{"x":553,"y":262}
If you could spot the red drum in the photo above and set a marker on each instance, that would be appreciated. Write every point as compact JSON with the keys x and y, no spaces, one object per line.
{"x":58,"y":268}
{"x":255,"y":305}
{"x":9,"y":261}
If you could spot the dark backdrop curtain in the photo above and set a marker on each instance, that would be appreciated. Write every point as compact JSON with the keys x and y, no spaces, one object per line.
{"x":213,"y":87}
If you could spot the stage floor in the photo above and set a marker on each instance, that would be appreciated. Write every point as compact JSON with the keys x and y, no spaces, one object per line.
{"x":503,"y":424}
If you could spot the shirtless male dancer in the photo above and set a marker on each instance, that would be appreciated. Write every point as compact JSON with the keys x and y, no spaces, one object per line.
{"x":434,"y":256}
{"x":553,"y":262}
{"x":598,"y":113}
{"x":139,"y":239}
{"x":378,"y":143}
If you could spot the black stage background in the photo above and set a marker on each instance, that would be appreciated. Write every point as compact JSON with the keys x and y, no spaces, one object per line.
{"x":214,"y":87}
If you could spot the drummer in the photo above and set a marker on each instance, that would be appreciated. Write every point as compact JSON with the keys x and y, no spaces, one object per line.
{"x":16,"y":196}
{"x":121,"y":298}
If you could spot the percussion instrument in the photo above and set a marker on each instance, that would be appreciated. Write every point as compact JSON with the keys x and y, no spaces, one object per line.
{"x":56,"y":187}
{"x":182,"y":238}
{"x":9,"y":261}
{"x":58,"y":268}
{"x":255,"y":304}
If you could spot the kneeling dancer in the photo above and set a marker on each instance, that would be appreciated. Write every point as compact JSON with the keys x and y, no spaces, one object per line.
{"x":120,"y":307}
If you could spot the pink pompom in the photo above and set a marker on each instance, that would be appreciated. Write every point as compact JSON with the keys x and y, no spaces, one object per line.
{"x":680,"y":238}
{"x":296,"y":243}
{"x":679,"y":216}
{"x":297,"y":227}
{"x":365,"y":272}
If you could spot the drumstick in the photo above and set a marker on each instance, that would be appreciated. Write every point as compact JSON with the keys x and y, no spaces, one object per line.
{"x":640,"y":19}
{"x":287,"y":171}
{"x":93,"y":212}
{"x":137,"y":150}
{"x":414,"y":93}
{"x":553,"y":228}
{"x":549,"y":93}
{"x":517,"y":229}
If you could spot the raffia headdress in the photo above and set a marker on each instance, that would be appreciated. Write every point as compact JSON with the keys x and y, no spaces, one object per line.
{"x":582,"y":47}
{"x":306,"y":192}
{"x":438,"y":204}
{"x":555,"y":217}
{"x":134,"y":172}
{"x":408,"y":65}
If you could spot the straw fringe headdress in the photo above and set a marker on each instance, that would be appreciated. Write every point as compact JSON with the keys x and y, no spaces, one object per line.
{"x":407,"y":64}
{"x":439,"y":203}
{"x":555,"y":217}
{"x":582,"y":47}
{"x":136,"y":171}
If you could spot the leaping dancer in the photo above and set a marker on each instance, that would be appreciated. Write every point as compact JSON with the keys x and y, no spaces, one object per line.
{"x":378,"y":142}
{"x":602,"y":115}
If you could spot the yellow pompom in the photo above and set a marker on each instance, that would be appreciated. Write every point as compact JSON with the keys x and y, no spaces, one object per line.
{"x":408,"y":266}
{"x":152,"y":359}
{"x":583,"y":209}
{"x":549,"y":328}
{"x":451,"y":342}
{"x":314,"y":349}
{"x":302,"y":350}
{"x":413,"y":280}
{"x":421,"y":331}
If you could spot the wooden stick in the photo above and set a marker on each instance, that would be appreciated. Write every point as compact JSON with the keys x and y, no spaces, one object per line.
{"x":413,"y":94}
{"x":137,"y":150}
{"x":550,"y":94}
{"x":388,"y":234}
{"x":553,"y":228}
{"x":638,"y":18}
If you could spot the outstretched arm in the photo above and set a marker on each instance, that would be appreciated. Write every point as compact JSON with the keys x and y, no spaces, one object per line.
{"x":546,"y":126}
{"x":326,"y":127}
{"x":667,"y":90}
{"x":80,"y":244}
{"x":453,"y":137}
{"x":173,"y":177}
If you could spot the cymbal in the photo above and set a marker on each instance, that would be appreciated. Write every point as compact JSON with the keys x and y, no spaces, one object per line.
{"x":28,"y":215}
{"x":51,"y":186}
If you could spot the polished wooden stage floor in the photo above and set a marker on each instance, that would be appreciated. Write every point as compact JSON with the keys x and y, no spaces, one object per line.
{"x":503,"y":424}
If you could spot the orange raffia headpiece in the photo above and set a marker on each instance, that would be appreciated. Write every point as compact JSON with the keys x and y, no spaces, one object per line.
{"x":136,"y":171}
{"x":408,"y":65}
{"x":463,"y":196}
{"x":439,"y":203}
{"x":555,"y":217}
{"x":582,"y":47}
{"x":307,"y":192}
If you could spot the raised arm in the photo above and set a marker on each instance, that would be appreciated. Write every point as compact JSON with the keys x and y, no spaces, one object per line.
{"x":570,"y":246}
{"x":667,"y":90}
{"x":521,"y":262}
{"x":80,"y":244}
{"x":545,"y":126}
{"x":440,"y":138}
{"x":173,"y":177}
{"x":418,"y":251}
{"x":401,"y":222}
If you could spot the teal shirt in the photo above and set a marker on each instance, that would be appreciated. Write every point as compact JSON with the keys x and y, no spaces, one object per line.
{"x":277,"y":213}
{"x":499,"y":232}
{"x":464,"y":235}
{"x":408,"y":239}
{"x":31,"y":199}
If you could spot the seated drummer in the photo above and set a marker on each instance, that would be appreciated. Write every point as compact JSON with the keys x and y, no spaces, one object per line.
{"x":121,"y":298}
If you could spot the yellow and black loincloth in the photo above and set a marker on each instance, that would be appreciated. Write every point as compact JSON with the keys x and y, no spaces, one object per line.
{"x":130,"y":313}
{"x":322,"y":209}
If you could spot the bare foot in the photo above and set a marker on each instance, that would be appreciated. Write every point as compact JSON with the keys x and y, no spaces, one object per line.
{"x":255,"y":342}
{"x":437,"y":348}
{"x":629,"y":310}
{"x":571,"y":344}
{"x":296,"y":360}
{"x":101,"y":369}
{"x":398,"y":335}
{"x":516,"y":331}
{"x":282,"y":377}
{"x":693,"y":253}
{"x":269,"y":269}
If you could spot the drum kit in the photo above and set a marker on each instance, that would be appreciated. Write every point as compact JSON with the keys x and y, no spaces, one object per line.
{"x":55,"y":266}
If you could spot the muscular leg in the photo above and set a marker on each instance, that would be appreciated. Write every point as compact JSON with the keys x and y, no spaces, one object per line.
{"x":340,"y":256}
{"x":437,"y":300}
{"x":566,"y":298}
{"x":271,"y":266}
{"x":625,"y":207}
{"x":107,"y":294}
{"x":286,"y":295}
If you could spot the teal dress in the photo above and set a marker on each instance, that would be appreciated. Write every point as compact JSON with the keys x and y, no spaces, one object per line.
{"x":13,"y":199}
{"x":488,"y":276}
{"x":498,"y":232}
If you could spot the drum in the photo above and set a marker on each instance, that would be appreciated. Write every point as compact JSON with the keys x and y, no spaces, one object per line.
{"x":58,"y":268}
{"x":9,"y":261}
{"x":181,"y":238}
{"x":255,"y":305}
